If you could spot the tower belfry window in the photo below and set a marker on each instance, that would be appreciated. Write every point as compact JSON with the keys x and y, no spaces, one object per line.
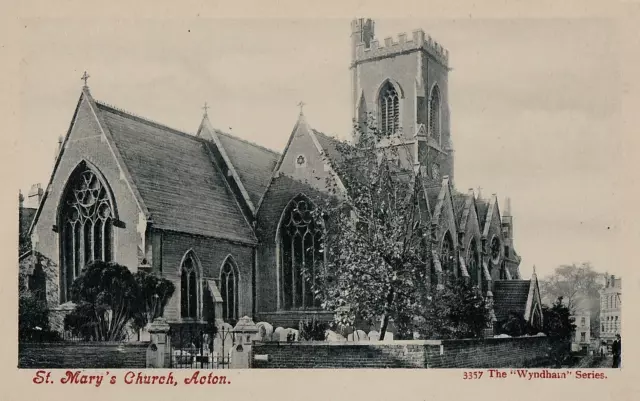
{"x":434,"y":114}
{"x":389,"y":108}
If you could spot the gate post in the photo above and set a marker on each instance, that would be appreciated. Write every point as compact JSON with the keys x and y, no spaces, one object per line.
{"x":159,"y":347}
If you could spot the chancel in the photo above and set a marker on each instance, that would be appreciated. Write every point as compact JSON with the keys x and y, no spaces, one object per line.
{"x":227,"y":220}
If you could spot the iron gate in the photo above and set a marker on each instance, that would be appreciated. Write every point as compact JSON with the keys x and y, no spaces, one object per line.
{"x":200,"y":347}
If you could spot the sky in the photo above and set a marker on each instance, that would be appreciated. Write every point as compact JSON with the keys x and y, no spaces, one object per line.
{"x":535,"y":104}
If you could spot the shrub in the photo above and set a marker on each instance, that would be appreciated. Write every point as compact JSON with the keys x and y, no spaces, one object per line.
{"x":313,"y":330}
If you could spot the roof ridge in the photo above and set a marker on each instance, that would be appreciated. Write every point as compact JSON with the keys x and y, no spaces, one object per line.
{"x":143,"y":120}
{"x":247,"y":141}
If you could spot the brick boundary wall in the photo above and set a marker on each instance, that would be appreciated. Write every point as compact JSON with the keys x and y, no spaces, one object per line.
{"x":82,"y":355}
{"x":486,"y":353}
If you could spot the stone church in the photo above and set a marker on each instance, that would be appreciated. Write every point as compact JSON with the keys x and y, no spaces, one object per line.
{"x":221,"y":216}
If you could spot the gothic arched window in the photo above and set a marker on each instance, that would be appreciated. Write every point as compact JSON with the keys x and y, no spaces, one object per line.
{"x":389,"y":109}
{"x":229,"y":291}
{"x":446,"y":256}
{"x":434,"y":114}
{"x":189,"y":287}
{"x":86,"y":226}
{"x":301,"y":250}
{"x":473,"y":262}
{"x":495,"y":250}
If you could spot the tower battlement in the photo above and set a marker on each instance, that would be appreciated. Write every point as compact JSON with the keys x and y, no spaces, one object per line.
{"x":418,"y":41}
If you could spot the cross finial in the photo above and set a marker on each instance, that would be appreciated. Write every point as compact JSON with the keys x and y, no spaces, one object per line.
{"x":206,"y":109}
{"x":479,"y":192}
{"x":534,"y":269}
{"x":301,"y":104}
{"x":85,"y":78}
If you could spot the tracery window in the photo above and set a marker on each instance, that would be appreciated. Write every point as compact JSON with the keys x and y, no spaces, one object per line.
{"x":447,"y":257}
{"x":495,"y":249}
{"x":86,"y":222}
{"x":434,"y":113}
{"x":473,"y":262}
{"x":389,"y":108}
{"x":189,"y":287}
{"x":301,"y":255}
{"x":229,"y":292}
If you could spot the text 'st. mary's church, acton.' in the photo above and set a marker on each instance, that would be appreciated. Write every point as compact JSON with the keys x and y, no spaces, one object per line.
{"x":216,"y":214}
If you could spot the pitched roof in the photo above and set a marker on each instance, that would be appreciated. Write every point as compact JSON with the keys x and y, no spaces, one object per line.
{"x":177,"y":179}
{"x":432,"y":196}
{"x":483,"y":208}
{"x":459,"y":201}
{"x":253,"y":163}
{"x":510,"y":296}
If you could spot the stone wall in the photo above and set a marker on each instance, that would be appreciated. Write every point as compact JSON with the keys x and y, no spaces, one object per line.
{"x":487,"y":353}
{"x":82,"y":355}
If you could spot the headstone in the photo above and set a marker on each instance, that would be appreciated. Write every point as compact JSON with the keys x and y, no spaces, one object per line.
{"x":332,"y":336}
{"x":265,"y":331}
{"x":278,"y":334}
{"x":374,"y":335}
{"x":358,"y":335}
{"x":388,"y":337}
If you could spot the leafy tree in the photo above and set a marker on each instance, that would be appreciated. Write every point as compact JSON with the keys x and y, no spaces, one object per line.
{"x":105,"y":295}
{"x":457,"y":311}
{"x":579,"y":286}
{"x":153,"y":295}
{"x":108,"y":297}
{"x":33,"y":317}
{"x":375,"y":233}
{"x":558,"y":324}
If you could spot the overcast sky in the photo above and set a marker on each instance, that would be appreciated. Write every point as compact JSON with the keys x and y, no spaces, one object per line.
{"x":535,"y":104}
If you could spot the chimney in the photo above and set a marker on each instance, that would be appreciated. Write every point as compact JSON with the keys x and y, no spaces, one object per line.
{"x":20,"y":199}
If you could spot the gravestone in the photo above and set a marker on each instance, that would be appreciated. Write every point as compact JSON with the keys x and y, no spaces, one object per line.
{"x":374,"y":335}
{"x":332,"y":336}
{"x":265,"y":331}
{"x":358,"y":335}
{"x":277,"y":334}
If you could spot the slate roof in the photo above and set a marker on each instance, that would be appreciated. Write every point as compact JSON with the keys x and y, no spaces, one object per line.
{"x":177,"y":179}
{"x":432,"y":195}
{"x":459,"y":201}
{"x":483,"y":209}
{"x":510,"y":296}
{"x":253,"y":163}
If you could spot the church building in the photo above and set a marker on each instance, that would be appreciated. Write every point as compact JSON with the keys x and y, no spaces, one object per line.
{"x":223,"y":218}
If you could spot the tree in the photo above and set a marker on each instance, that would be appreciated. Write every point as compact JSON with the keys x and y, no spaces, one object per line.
{"x":579,"y":286}
{"x":108,"y":297}
{"x":153,"y":293}
{"x":376,"y":232}
{"x":558,"y":324}
{"x":457,"y":311}
{"x":105,"y":295}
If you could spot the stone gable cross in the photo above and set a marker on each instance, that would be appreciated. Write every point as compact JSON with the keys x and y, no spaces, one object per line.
{"x":85,"y":78}
{"x":205,"y":108}
{"x":301,"y":105}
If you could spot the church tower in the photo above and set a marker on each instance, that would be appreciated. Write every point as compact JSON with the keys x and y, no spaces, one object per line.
{"x":403,"y":85}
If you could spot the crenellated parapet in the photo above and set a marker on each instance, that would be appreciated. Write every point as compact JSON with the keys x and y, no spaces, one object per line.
{"x":418,"y":41}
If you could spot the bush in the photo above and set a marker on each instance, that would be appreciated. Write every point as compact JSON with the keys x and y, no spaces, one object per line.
{"x":108,"y":298}
{"x":33,"y":316}
{"x":457,"y":311}
{"x":313,"y":330}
